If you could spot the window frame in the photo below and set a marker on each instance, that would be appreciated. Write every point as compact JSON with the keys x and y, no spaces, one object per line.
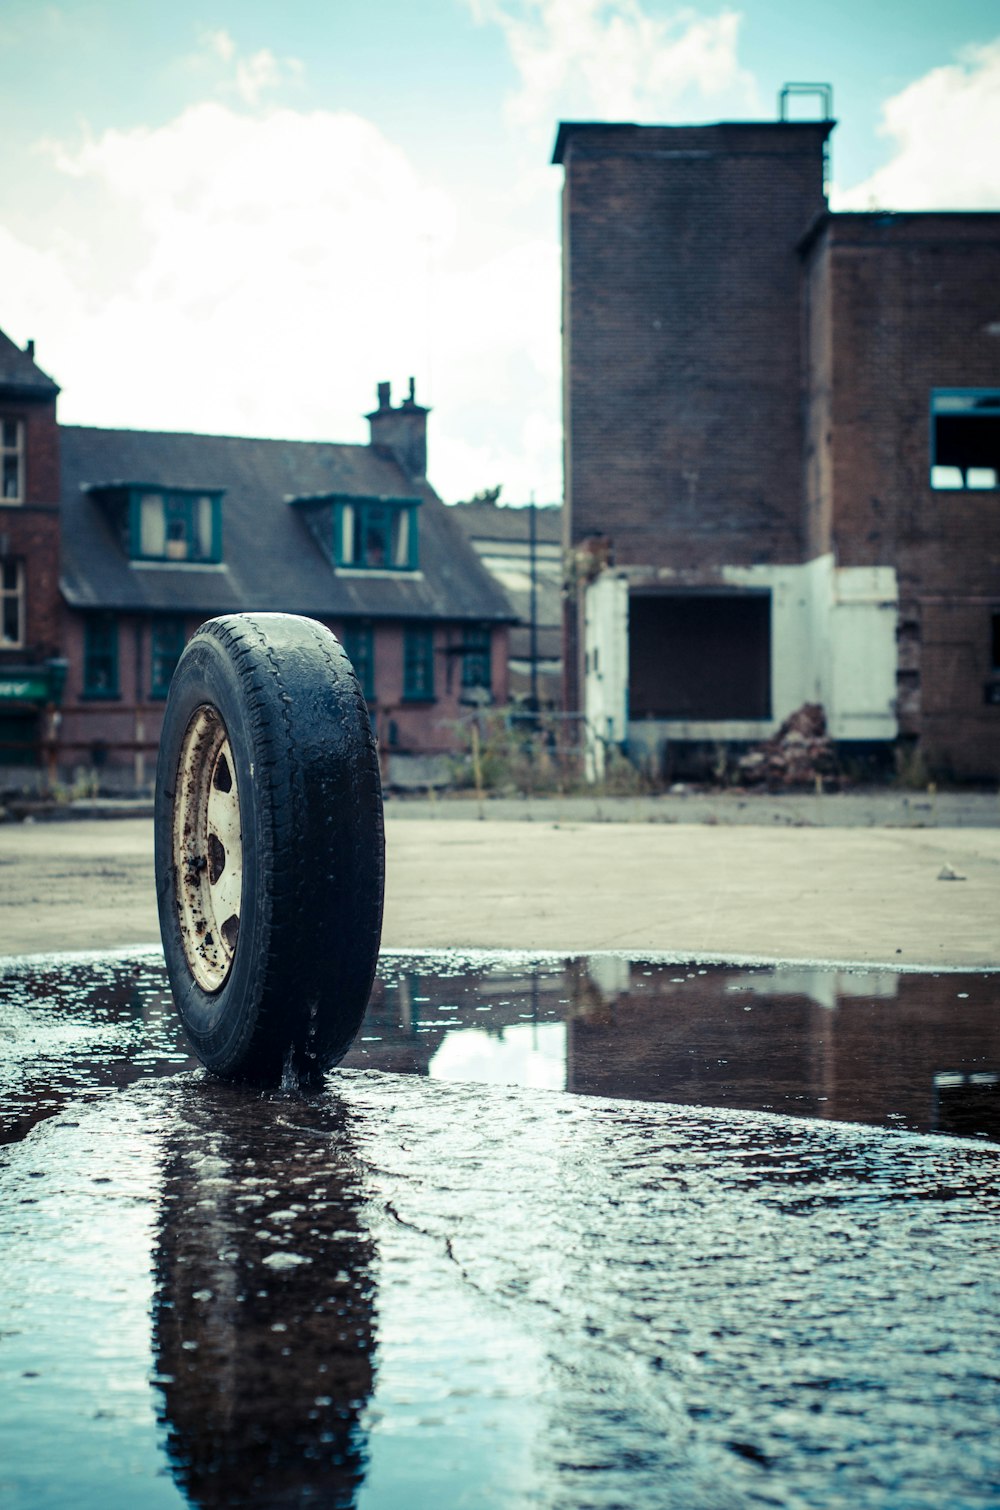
{"x":180,"y":505}
{"x":93,"y":625}
{"x":351,"y":520}
{"x":17,"y":593}
{"x":17,"y":451}
{"x":477,"y":649}
{"x":358,"y":640}
{"x":955,"y":402}
{"x":158,"y":687}
{"x":418,"y":664}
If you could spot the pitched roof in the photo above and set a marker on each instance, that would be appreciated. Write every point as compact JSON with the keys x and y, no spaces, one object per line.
{"x":20,"y":375}
{"x":271,"y":560}
{"x":492,"y":521}
{"x":501,"y":536}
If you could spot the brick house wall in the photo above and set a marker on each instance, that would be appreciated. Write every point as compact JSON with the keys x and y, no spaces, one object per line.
{"x":29,"y":531}
{"x":30,"y":670}
{"x":118,"y":736}
{"x":913,"y":305}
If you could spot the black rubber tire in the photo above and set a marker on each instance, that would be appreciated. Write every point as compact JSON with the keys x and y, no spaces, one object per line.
{"x":313,"y":853}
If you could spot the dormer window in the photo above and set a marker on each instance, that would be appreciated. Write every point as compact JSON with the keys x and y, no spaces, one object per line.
{"x":11,"y":461}
{"x":375,"y":534}
{"x":363,"y":534}
{"x":175,"y":524}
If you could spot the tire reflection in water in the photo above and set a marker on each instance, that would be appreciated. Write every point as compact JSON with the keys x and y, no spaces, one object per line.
{"x":264,"y":1309}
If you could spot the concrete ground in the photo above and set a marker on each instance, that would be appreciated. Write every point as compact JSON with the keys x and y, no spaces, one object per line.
{"x":780,"y":891}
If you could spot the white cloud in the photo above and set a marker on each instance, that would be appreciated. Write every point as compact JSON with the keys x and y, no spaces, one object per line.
{"x":945,"y":128}
{"x":248,"y":77}
{"x":610,"y":59}
{"x":258,"y":273}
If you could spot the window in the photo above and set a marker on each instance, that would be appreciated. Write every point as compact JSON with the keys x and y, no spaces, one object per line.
{"x":167,"y":642}
{"x":418,"y":665}
{"x":100,"y":656}
{"x":175,"y":525}
{"x":375,"y":534}
{"x":476,"y":659}
{"x":11,"y":604}
{"x":358,"y":641}
{"x":12,"y":460}
{"x":965,"y":439}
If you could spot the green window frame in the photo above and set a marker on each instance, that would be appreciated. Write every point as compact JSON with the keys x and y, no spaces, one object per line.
{"x":418,"y":665}
{"x":375,"y":534}
{"x":177,"y":525}
{"x":359,"y":642}
{"x":166,"y":643}
{"x":476,"y":660}
{"x":100,"y":656}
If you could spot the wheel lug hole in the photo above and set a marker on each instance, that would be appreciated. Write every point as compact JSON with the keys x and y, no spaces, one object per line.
{"x":216,"y":858}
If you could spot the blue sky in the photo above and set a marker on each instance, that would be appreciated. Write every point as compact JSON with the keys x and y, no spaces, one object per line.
{"x":240,"y":217}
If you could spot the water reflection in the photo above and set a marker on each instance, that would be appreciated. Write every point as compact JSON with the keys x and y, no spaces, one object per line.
{"x":264,"y":1310}
{"x":72,"y":1031}
{"x":904,"y":1050}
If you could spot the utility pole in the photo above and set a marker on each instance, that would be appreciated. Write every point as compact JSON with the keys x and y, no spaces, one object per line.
{"x":533,"y":642}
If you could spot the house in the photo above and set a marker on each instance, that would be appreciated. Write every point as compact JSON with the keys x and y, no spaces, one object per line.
{"x":522,"y":550}
{"x":782,"y":453}
{"x":161,"y":531}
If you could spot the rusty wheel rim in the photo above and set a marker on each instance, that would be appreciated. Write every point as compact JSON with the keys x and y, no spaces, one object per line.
{"x":208,"y":849}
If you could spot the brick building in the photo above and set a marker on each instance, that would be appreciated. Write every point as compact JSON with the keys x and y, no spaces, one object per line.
{"x":782,"y":451}
{"x":31,"y":671}
{"x":116,"y":544}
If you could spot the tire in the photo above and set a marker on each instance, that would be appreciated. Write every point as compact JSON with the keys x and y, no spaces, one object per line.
{"x":270,"y":855}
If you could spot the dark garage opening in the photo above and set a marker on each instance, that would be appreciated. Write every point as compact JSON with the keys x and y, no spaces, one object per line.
{"x":700,"y":655}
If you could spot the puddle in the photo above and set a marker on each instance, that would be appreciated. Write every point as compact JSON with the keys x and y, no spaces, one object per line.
{"x":897,"y":1049}
{"x":445,"y":1286}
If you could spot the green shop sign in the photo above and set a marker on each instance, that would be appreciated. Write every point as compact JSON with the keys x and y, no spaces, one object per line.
{"x":30,"y":689}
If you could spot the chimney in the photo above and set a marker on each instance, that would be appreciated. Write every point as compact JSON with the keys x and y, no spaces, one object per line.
{"x":401,"y":432}
{"x":30,"y":350}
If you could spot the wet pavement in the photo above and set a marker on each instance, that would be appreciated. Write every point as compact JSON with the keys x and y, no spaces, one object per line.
{"x":745,"y":1262}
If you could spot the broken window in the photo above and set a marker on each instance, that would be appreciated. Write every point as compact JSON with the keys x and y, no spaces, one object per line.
{"x":965,"y":438}
{"x":700,"y":656}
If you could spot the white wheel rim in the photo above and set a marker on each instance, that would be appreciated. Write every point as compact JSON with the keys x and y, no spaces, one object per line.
{"x":208,"y":849}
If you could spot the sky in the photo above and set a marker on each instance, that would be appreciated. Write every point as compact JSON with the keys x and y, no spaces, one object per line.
{"x":238,"y":217}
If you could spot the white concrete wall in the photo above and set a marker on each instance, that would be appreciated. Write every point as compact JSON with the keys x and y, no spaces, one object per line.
{"x":605,"y":640}
{"x":833,"y":641}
